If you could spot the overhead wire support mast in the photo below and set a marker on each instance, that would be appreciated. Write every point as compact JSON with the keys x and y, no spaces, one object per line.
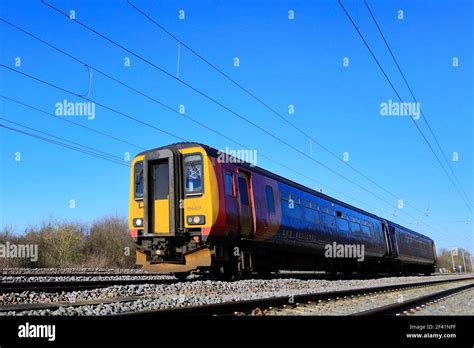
{"x":401,"y":100}
{"x":415,"y":99}
{"x":218,"y":103}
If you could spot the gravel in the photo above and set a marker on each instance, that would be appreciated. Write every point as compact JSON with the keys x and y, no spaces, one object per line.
{"x":351,"y":305}
{"x":189,"y":293}
{"x":85,"y":278}
{"x":66,"y":271}
{"x":457,"y":304}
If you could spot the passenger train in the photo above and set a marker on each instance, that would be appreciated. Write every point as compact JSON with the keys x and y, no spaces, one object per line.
{"x":190,"y":211}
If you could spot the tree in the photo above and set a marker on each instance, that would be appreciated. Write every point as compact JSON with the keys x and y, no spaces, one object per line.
{"x":446,"y":261}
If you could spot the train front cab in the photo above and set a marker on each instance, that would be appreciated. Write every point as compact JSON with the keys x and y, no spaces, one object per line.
{"x":172,"y":208}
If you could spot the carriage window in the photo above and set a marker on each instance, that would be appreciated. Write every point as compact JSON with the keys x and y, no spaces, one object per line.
{"x":138,"y":180}
{"x":328,"y":220}
{"x":270,"y":199}
{"x":229,"y":183}
{"x":311,"y":215}
{"x":193,"y":178}
{"x":355,"y":227}
{"x":342,"y":225}
{"x":365,"y":229}
{"x":244,"y":197}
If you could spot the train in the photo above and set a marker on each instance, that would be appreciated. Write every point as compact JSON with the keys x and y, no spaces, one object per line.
{"x":191,"y":209}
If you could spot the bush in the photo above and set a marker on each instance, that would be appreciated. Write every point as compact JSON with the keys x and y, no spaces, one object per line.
{"x":8,"y":235}
{"x":444,"y":260}
{"x":105,"y":244}
{"x":109,"y":244}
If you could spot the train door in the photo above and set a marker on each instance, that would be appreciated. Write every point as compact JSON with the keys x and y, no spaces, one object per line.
{"x":245,"y":204}
{"x":231,"y":199}
{"x":159,"y":196}
{"x":162,"y":177}
{"x":392,"y":242}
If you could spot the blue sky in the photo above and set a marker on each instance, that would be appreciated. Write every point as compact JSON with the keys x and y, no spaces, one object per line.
{"x":283,"y":62}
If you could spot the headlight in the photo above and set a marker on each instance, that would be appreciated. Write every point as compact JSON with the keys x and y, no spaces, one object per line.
{"x":138,"y":222}
{"x":196,"y":219}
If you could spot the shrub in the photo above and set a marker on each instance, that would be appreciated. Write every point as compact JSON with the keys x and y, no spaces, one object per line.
{"x":105,"y":244}
{"x":109,"y":243}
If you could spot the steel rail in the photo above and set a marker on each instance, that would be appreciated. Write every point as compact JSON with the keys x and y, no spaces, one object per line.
{"x":399,"y":308}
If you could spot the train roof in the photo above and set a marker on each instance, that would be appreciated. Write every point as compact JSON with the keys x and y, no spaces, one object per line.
{"x":215,"y":153}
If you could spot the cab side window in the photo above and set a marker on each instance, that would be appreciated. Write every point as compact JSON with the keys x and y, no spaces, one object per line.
{"x":270,"y":199}
{"x":229,"y":183}
{"x":243,"y":192}
{"x":138,"y":180}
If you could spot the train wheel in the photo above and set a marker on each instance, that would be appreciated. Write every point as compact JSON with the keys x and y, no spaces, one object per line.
{"x":227,"y":277}
{"x":182,"y":275}
{"x":331,"y":273}
{"x":242,"y":273}
{"x":226,"y":273}
{"x":264,"y":274}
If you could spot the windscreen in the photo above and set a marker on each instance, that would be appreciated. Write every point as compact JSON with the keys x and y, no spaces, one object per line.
{"x":193,"y":175}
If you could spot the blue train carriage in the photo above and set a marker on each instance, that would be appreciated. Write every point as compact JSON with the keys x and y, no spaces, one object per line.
{"x":414,"y":252}
{"x":317,"y":232}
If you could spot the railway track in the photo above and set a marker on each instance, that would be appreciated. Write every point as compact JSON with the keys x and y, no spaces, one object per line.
{"x":412,"y":305}
{"x":294,"y":305}
{"x":295,"y":275}
{"x":259,"y":306}
{"x":75,"y":285}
